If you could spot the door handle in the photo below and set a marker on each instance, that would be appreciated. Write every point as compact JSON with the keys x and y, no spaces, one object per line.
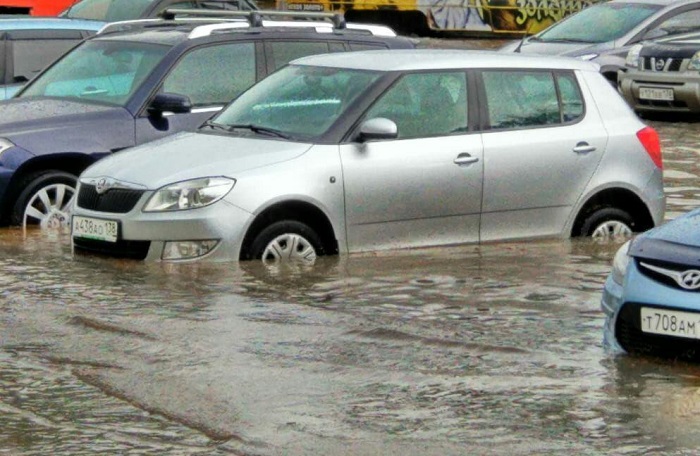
{"x":583,"y":148}
{"x":465,"y":159}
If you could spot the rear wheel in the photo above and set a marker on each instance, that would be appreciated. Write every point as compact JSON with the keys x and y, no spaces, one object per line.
{"x":46,"y":200}
{"x":287,"y":242}
{"x":607,"y":223}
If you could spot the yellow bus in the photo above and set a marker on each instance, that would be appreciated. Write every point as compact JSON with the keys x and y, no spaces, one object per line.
{"x":505,"y":18}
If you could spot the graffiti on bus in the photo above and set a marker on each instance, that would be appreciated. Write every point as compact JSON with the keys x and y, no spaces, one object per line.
{"x":500,"y":15}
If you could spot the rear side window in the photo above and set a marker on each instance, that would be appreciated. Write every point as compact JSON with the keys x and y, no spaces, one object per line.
{"x":367,"y":46}
{"x":522,"y":99}
{"x":281,"y":53}
{"x":213,"y":75}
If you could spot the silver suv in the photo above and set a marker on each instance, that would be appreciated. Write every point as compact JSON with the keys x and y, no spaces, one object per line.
{"x":381,"y":150}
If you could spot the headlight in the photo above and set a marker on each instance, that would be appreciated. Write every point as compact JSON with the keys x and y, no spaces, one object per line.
{"x":632,"y":59}
{"x":5,"y":144}
{"x":189,"y":194}
{"x":695,"y":62}
{"x":587,"y":56}
{"x":620,"y":263}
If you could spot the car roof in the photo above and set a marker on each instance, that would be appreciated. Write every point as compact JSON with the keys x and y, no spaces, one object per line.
{"x":436,"y":59}
{"x":55,"y":23}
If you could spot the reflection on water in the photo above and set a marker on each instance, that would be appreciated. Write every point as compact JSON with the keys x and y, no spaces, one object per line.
{"x":493,"y":348}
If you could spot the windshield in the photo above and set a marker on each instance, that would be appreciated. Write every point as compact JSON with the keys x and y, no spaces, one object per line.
{"x":612,"y":20}
{"x":298,"y":102}
{"x":100,"y":70}
{"x":108,"y":10}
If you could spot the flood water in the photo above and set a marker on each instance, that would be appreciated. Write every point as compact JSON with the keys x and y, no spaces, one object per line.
{"x":492,"y":349}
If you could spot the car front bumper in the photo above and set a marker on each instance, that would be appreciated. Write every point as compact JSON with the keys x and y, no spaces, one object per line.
{"x":640,"y":290}
{"x":685,"y":87}
{"x":147,"y":233}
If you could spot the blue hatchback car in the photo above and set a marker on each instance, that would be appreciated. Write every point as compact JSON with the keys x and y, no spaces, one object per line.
{"x":30,"y":44}
{"x":652,"y":296}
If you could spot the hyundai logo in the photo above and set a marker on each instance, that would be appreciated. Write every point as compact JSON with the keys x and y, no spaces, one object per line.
{"x":660,"y":63}
{"x":690,"y":280}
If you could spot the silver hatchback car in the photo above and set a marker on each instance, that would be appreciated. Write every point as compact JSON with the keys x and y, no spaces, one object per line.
{"x":383,"y":150}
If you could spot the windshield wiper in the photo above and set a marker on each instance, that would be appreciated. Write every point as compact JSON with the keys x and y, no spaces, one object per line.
{"x":215,"y":125}
{"x":567,"y":40}
{"x":259,"y":129}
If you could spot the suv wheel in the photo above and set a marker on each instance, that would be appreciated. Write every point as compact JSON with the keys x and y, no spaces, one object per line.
{"x":608,"y":223}
{"x":287,"y":242}
{"x":45,"y":201}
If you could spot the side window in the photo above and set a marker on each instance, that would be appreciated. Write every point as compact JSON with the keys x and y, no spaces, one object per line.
{"x":683,"y":22}
{"x":29,"y":57}
{"x":425,"y":104}
{"x":213,"y":75}
{"x":521,"y":99}
{"x":571,"y":99}
{"x":283,"y":52}
{"x":367,"y":46}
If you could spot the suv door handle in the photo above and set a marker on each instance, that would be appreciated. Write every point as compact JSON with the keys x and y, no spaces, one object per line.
{"x":583,"y":148}
{"x":465,"y":159}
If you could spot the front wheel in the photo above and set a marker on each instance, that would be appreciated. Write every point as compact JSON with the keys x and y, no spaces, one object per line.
{"x":46,"y":200}
{"x":287,"y":242}
{"x":608,"y":223}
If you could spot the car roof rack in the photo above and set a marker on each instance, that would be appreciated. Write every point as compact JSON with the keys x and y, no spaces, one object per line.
{"x":255,"y":17}
{"x":137,"y":24}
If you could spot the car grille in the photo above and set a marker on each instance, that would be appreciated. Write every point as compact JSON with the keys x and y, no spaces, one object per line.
{"x":661,"y":278}
{"x":664,"y":104}
{"x":115,"y":200}
{"x":630,"y":336}
{"x":669,"y":64}
{"x":135,"y":250}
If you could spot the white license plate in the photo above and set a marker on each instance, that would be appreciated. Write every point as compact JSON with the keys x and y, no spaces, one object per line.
{"x":92,"y":228}
{"x":671,"y":323}
{"x":650,"y":93}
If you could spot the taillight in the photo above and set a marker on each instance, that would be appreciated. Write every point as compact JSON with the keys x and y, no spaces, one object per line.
{"x":650,"y":140}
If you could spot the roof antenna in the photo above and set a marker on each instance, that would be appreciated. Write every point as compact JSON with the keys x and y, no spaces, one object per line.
{"x":525,"y":35}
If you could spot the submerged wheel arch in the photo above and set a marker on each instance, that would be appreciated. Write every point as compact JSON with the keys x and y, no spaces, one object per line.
{"x":618,"y":198}
{"x":72,"y":163}
{"x":300,"y":211}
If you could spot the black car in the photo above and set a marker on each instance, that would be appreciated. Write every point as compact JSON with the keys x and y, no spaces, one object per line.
{"x":123,"y":10}
{"x":118,"y":90}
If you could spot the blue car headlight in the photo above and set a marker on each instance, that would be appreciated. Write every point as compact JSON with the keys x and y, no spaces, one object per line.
{"x":191,"y":194}
{"x":621,"y":263}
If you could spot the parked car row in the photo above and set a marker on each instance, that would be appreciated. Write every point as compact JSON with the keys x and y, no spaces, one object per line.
{"x":327,"y":154}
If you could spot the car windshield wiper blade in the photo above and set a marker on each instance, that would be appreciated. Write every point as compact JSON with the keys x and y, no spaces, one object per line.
{"x":567,"y":40}
{"x":215,"y":125}
{"x":260,"y":129}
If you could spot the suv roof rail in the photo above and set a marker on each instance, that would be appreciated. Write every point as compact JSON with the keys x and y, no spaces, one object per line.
{"x":254,"y":17}
{"x":135,"y":24}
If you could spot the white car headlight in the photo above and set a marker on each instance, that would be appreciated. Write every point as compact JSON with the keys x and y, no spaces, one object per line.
{"x":632,"y":59}
{"x":620,"y":263}
{"x":694,"y":63}
{"x":587,"y":56}
{"x":5,"y":144}
{"x":189,"y":194}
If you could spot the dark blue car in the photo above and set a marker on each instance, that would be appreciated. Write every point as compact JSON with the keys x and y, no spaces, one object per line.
{"x":118,"y":90}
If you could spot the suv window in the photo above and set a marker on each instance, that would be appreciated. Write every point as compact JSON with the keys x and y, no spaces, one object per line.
{"x":683,"y":22}
{"x":29,"y":57}
{"x":530,"y":98}
{"x":367,"y":46}
{"x":213,"y":75}
{"x":281,"y":53}
{"x":425,"y":104}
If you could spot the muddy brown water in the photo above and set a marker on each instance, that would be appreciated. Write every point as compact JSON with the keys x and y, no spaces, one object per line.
{"x":481,"y":350}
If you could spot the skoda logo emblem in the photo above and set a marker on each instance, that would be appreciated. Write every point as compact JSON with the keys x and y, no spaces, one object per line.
{"x":690,"y":280}
{"x":660,"y":64}
{"x":103,"y":185}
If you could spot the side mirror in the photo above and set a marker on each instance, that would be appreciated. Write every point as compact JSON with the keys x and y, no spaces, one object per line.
{"x":169,"y":102}
{"x":378,"y":128}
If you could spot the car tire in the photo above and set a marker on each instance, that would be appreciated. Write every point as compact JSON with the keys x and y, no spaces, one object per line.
{"x":55,"y":187}
{"x":287,"y":242}
{"x":607,"y":223}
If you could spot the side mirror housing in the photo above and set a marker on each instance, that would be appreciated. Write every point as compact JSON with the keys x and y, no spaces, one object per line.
{"x":169,"y":102}
{"x":378,"y":128}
